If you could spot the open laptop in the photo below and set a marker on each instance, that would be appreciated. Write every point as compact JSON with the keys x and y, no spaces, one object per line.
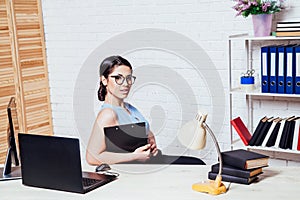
{"x":54,"y":162}
{"x":126,"y":137}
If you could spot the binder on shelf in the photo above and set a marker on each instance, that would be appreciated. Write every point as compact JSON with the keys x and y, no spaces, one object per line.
{"x":265,"y":69}
{"x":290,"y":60}
{"x":273,"y":69}
{"x":297,"y":70}
{"x":281,"y":69}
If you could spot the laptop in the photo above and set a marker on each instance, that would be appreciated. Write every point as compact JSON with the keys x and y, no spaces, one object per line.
{"x":126,"y":137}
{"x":54,"y":163}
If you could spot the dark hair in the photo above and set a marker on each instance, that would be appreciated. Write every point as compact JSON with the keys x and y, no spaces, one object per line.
{"x":106,"y":68}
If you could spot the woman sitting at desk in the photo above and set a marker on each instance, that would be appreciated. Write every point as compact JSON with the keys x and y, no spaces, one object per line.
{"x":115,"y":82}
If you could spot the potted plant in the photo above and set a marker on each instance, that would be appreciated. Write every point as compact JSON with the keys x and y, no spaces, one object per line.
{"x":261,"y":11}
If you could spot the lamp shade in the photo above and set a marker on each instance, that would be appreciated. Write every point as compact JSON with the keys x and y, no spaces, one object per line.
{"x":192,"y":134}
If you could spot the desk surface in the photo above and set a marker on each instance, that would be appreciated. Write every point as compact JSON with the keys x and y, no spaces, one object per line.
{"x":167,"y":182}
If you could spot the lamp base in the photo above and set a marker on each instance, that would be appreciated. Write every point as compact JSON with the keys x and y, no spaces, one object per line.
{"x":214,"y":187}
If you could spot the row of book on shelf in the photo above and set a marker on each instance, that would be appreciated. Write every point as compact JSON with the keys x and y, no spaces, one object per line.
{"x":283,"y":133}
{"x":240,"y":166}
{"x":280,"y":69}
{"x":288,"y":29}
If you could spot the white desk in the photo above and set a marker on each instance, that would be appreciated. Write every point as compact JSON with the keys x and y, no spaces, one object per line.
{"x":167,"y":182}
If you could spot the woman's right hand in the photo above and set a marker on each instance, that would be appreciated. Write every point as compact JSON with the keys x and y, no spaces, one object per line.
{"x":143,"y":153}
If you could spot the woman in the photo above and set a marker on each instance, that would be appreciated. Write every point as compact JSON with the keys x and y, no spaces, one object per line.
{"x":116,"y":80}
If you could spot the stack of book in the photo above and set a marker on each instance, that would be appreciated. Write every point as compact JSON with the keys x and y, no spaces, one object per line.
{"x":240,"y":166}
{"x":288,"y":29}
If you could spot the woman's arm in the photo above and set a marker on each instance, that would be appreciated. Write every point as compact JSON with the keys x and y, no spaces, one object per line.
{"x":96,"y":154}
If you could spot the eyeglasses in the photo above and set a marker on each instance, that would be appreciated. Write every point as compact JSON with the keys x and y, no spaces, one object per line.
{"x":120,"y":79}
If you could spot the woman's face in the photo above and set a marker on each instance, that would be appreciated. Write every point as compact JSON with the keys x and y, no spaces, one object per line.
{"x":119,"y":82}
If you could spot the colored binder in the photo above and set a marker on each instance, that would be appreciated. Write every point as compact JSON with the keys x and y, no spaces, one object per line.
{"x":281,"y":69}
{"x":290,"y":65}
{"x":273,"y":69}
{"x":297,"y":70}
{"x":265,"y":69}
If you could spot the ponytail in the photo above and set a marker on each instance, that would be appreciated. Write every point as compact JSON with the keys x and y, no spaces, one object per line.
{"x":102,"y":92}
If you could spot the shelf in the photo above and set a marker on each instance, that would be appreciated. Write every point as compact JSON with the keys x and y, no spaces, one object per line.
{"x":258,"y":93}
{"x":284,"y":154}
{"x":247,"y":37}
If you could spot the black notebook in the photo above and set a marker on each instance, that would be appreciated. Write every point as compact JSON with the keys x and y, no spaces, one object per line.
{"x":272,"y":139}
{"x":257,"y":131}
{"x":263,"y":133}
{"x":54,"y":163}
{"x":244,"y":159}
{"x":234,"y":171}
{"x":233,"y":179}
{"x":286,"y":140}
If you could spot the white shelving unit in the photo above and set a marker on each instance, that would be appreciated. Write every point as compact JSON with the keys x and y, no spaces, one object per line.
{"x":249,"y":96}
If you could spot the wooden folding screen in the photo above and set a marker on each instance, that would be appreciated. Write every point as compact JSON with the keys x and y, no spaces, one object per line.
{"x":23,"y":68}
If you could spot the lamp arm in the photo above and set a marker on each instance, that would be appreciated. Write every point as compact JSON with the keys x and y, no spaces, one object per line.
{"x":217,"y":147}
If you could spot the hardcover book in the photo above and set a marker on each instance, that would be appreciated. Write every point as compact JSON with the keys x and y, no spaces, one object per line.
{"x":241,"y":129}
{"x":234,"y":171}
{"x":263,"y":132}
{"x":233,"y":179}
{"x":244,"y":159}
{"x":287,"y":33}
{"x":258,"y":130}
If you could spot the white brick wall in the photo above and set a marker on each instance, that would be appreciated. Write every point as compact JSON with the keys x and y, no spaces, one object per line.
{"x":74,"y":29}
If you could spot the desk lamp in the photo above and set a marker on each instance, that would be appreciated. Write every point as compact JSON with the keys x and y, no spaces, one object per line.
{"x":193,"y":136}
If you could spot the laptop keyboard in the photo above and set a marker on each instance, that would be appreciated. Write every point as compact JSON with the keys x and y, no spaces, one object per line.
{"x":88,"y":181}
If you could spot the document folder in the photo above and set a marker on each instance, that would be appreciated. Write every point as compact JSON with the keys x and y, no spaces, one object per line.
{"x":273,"y":69}
{"x":281,"y":69}
{"x":290,"y":65}
{"x":265,"y":67}
{"x":297,"y":69}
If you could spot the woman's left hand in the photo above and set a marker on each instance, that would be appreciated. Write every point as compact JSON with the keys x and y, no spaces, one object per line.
{"x":151,"y":140}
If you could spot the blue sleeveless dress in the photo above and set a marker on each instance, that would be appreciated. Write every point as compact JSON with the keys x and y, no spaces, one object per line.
{"x":124,"y":117}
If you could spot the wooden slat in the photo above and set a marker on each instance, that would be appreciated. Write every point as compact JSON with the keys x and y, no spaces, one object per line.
{"x":32,"y":62}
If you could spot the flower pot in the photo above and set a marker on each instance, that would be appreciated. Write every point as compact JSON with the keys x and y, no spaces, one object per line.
{"x":262,"y":24}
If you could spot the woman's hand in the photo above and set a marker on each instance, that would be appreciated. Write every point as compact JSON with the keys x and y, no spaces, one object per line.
{"x":151,"y":141}
{"x":143,"y":153}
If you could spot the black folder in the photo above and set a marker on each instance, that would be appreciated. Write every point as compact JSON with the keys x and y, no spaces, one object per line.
{"x":126,"y":137}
